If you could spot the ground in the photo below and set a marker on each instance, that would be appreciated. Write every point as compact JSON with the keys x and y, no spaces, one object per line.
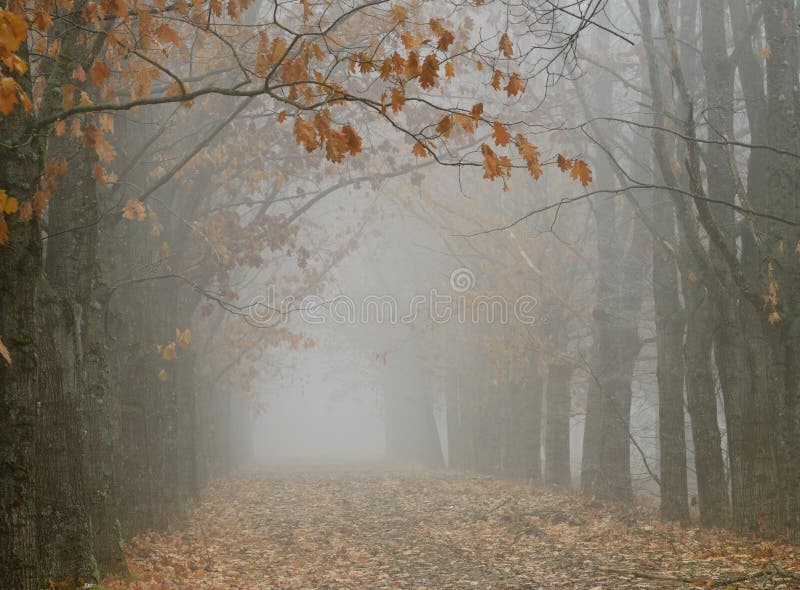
{"x":375,"y":529}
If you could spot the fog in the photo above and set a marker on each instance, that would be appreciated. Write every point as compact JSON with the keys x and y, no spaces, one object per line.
{"x":314,"y":416}
{"x":538,"y":249}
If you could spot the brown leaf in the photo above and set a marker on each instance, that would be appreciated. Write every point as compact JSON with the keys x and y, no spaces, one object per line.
{"x":500,"y":134}
{"x":505,"y":46}
{"x":582,"y":172}
{"x":99,"y":72}
{"x":429,"y":72}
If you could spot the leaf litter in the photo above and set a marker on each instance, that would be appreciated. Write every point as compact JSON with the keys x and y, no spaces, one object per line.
{"x":422,"y":530}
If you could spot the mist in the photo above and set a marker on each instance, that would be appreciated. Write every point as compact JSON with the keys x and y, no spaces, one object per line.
{"x":399,"y":294}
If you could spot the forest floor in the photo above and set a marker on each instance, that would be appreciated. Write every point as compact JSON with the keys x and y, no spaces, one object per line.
{"x":416,"y":530}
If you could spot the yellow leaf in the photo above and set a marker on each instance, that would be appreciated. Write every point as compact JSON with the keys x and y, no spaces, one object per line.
{"x":11,"y":206}
{"x":162,"y":375}
{"x":13,"y":31}
{"x":184,"y":338}
{"x":774,"y":318}
{"x":169,"y":352}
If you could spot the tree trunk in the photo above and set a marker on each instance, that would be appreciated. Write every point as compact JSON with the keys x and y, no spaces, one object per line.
{"x":20,"y":276}
{"x":712,"y":486}
{"x":669,"y":371}
{"x":556,"y":448}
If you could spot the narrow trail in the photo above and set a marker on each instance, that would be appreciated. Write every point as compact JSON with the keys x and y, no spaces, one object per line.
{"x":419,"y":530}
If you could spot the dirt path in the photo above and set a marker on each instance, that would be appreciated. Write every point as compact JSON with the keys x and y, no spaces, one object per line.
{"x":416,"y":530}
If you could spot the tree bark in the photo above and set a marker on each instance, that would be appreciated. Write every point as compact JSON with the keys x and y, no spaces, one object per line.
{"x":556,"y":448}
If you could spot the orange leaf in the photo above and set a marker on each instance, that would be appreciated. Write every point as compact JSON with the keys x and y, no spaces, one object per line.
{"x":9,"y":95}
{"x":467,"y":123}
{"x":305,"y":134}
{"x":515,"y":85}
{"x":564,"y":164}
{"x":67,"y":97}
{"x":477,"y":111}
{"x":444,"y":126}
{"x":99,"y":174}
{"x":530,"y":153}
{"x":3,"y":350}
{"x":506,"y":48}
{"x":500,"y":134}
{"x":412,"y":64}
{"x":411,"y":41}
{"x":430,"y":72}
{"x":99,"y":72}
{"x":42,"y":20}
{"x":167,"y":34}
{"x":419,"y":150}
{"x":582,"y":172}
{"x":445,"y":40}
{"x":13,"y":31}
{"x":3,"y":230}
{"x":79,"y":74}
{"x":398,"y":98}
{"x":399,"y":12}
{"x":105,"y":151}
{"x":91,"y":135}
{"x":352,"y":140}
{"x":134,"y":210}
{"x":494,"y":166}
